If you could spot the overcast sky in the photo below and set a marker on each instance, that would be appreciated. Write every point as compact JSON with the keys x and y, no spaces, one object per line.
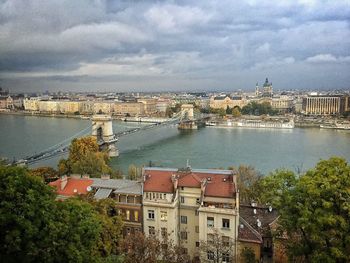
{"x":131,"y":45}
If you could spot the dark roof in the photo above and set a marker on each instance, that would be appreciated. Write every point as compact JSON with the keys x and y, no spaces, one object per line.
{"x":262,"y":213}
{"x":247,"y":233}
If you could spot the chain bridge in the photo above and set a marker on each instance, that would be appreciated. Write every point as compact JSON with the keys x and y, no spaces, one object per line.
{"x":101,"y":127}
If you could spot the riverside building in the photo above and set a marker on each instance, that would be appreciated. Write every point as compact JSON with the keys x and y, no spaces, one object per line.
{"x":323,"y":105}
{"x":189,"y":205}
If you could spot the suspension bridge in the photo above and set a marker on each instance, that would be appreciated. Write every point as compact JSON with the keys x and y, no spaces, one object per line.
{"x":101,"y":127}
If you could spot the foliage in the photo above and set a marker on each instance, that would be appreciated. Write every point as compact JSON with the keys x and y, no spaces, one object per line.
{"x":134,"y":172}
{"x":215,"y":247}
{"x":47,"y":174}
{"x":35,"y":227}
{"x":314,"y":211}
{"x":228,"y":110}
{"x":140,"y":248}
{"x":236,"y":112}
{"x":248,"y":255}
{"x":248,"y":183}
{"x":85,"y":158}
{"x":254,"y":108}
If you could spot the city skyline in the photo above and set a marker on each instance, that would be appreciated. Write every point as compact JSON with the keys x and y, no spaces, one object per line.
{"x":173,"y":45}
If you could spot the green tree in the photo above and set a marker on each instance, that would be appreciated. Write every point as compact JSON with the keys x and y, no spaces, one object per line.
{"x":85,"y":158}
{"x":36,"y":228}
{"x":314,"y":211}
{"x":248,"y":255}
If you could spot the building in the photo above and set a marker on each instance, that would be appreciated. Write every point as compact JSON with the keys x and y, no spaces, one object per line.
{"x":129,"y":108}
{"x":323,"y":105}
{"x":224,"y":102}
{"x":31,"y":104}
{"x":71,"y":186}
{"x":265,"y":91}
{"x":126,"y":193}
{"x":128,"y":197}
{"x":188,"y":205}
{"x":50,"y":106}
{"x":69,"y":107}
{"x":255,"y":231}
{"x":105,"y":107}
{"x":283,"y":104}
{"x":150,"y":105}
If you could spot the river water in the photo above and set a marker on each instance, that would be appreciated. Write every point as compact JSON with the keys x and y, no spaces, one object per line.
{"x":209,"y":147}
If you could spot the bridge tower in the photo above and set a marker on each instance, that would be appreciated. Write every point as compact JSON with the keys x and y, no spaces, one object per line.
{"x":188,"y":122}
{"x":102,"y":129}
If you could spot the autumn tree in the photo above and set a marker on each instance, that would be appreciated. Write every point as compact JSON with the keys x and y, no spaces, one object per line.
{"x":218,"y":248}
{"x":134,"y":172}
{"x":248,"y":183}
{"x":247,"y":255}
{"x":85,"y":158}
{"x":47,"y":174}
{"x":236,"y":112}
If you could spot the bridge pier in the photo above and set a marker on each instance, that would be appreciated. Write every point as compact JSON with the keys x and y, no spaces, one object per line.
{"x":189,"y":123}
{"x":102,"y":129}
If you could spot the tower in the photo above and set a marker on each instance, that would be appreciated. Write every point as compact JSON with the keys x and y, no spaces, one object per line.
{"x":257,"y":90}
{"x":102,"y":129}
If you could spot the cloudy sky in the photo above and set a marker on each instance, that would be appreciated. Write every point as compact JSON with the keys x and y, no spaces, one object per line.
{"x":141,"y":45}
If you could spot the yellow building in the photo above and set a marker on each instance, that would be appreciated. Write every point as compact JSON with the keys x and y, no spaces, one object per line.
{"x":70,"y":107}
{"x":50,"y":106}
{"x":150,"y":105}
{"x":129,"y":108}
{"x":105,"y":107}
{"x":222,"y":102}
{"x":189,"y":206}
{"x":31,"y":104}
{"x":282,"y":104}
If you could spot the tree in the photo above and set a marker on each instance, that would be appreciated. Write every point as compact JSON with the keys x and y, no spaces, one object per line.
{"x":236,"y":112}
{"x":47,"y":174}
{"x":314,"y":211}
{"x":217,"y":248}
{"x":228,"y":110}
{"x":133,"y":172}
{"x":248,"y":183}
{"x":248,"y":255}
{"x":36,"y":228}
{"x":85,"y":158}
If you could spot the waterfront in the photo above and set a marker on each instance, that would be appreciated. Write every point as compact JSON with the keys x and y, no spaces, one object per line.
{"x":266,"y":149}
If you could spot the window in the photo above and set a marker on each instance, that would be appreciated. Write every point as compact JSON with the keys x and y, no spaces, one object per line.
{"x":164,"y":196}
{"x":183,"y":235}
{"x":226,"y":257}
{"x":154,"y":195}
{"x":183,"y":219}
{"x":151,"y":230}
{"x":151,"y":214}
{"x":210,"y":255}
{"x":127,"y":214}
{"x":147,"y":195}
{"x":182,"y":199}
{"x":198,"y":201}
{"x":225,"y":241}
{"x":196,"y":213}
{"x":197,"y":229}
{"x":225,"y":223}
{"x":128,"y":231}
{"x":197,"y":244}
{"x":163,"y":231}
{"x":136,"y":216}
{"x":163,"y":215}
{"x":184,"y":251}
{"x":210,"y":221}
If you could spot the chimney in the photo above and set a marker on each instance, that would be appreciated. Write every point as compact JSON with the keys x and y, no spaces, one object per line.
{"x":174,"y":180}
{"x":64,"y":181}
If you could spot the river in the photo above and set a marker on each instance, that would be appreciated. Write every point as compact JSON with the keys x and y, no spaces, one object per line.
{"x":209,"y":147}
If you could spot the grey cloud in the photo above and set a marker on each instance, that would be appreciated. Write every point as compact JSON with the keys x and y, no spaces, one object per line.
{"x":195,"y":43}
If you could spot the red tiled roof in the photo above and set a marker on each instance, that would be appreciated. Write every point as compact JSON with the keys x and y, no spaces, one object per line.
{"x":158,"y":181}
{"x":73,"y":187}
{"x":219,"y":185}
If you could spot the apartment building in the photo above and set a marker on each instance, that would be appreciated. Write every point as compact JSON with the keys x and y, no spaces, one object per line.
{"x":190,"y":205}
{"x":150,"y":105}
{"x":129,"y":108}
